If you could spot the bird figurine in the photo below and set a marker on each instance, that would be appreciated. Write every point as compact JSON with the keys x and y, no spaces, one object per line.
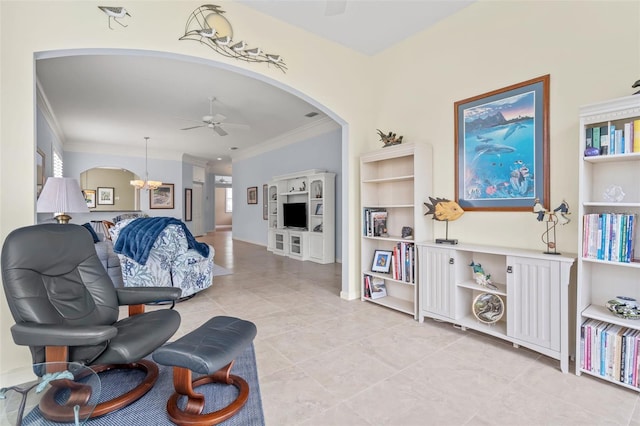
{"x":114,"y":13}
{"x":239,"y":46}
{"x":480,"y":277}
{"x":274,"y":58}
{"x":389,"y":139}
{"x":539,"y":209}
{"x":636,"y":84}
{"x":207,"y":32}
{"x":254,"y":52}
{"x":223,"y":41}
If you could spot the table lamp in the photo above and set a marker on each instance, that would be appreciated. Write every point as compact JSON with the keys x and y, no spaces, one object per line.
{"x":62,"y":195}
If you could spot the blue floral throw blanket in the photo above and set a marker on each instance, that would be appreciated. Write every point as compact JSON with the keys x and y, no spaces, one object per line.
{"x":137,"y":238}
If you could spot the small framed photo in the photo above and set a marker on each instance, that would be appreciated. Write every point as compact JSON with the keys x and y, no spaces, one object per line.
{"x":90,"y":197}
{"x":162,"y":197}
{"x":105,"y":196}
{"x":382,"y":261}
{"x":188,"y":204}
{"x":319,"y":209}
{"x":252,"y":195}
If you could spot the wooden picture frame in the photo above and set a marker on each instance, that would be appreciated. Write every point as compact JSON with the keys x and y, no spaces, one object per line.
{"x":265,"y":202}
{"x":502,"y":148}
{"x":105,"y":195}
{"x":90,"y":197}
{"x":188,"y":204}
{"x":162,"y":197}
{"x":252,"y":195}
{"x":40,"y":171}
{"x":382,"y":261}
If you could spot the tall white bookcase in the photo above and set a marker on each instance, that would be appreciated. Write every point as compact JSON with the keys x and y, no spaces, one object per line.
{"x":397,"y":179}
{"x":315,"y":241}
{"x":600,"y":280}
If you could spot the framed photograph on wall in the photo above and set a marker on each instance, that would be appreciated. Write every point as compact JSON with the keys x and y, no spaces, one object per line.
{"x":265,"y":202}
{"x":382,"y":261}
{"x":105,"y":196}
{"x":162,"y":197}
{"x":188,"y":204}
{"x":502,"y":148}
{"x":252,"y":195}
{"x":90,"y":197}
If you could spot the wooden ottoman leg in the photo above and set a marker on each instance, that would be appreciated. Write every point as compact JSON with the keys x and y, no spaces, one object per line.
{"x":191,"y":415}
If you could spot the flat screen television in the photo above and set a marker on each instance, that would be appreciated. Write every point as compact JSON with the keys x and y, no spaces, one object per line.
{"x":294,"y":215}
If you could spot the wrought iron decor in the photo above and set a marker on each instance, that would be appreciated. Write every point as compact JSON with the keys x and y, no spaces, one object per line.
{"x":207,"y":25}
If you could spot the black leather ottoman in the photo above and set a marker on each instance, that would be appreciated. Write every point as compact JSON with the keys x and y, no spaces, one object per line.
{"x":211,"y":350}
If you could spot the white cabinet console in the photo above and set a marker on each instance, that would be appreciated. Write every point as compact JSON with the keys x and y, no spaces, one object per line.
{"x":301,"y":215}
{"x":529,"y":305}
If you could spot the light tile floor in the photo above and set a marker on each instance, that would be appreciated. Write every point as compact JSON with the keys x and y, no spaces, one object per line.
{"x":326,"y":361}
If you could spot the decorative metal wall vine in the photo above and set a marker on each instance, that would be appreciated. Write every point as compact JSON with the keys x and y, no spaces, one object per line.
{"x":201,"y":26}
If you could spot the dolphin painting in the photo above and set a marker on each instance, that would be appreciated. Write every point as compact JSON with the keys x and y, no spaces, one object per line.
{"x":512,"y":129}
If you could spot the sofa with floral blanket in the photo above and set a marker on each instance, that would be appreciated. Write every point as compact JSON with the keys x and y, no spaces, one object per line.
{"x":162,"y":252}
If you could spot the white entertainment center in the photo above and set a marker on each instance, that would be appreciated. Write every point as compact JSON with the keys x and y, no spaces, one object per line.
{"x":301,"y":215}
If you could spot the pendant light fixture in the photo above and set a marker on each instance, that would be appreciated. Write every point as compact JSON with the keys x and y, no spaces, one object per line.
{"x":146,"y":183}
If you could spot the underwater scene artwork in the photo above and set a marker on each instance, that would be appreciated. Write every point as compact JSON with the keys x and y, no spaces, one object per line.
{"x":499,"y":149}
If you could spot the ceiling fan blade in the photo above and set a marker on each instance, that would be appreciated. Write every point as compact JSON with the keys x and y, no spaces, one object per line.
{"x":236,"y":126}
{"x":219,"y":130}
{"x":194,"y":127}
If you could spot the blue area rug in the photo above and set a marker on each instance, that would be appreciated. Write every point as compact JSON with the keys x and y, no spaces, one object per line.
{"x":151,"y":409}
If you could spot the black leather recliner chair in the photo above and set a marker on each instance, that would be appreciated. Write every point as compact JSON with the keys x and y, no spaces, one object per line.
{"x":66,"y":307}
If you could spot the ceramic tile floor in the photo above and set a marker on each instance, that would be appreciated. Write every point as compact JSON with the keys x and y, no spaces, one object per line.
{"x":326,"y":361}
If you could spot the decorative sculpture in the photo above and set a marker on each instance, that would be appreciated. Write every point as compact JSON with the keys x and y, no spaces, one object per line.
{"x":559,"y":215}
{"x":481,"y":278}
{"x":444,"y":210}
{"x":207,"y":25}
{"x":389,"y":139}
{"x":114,"y":13}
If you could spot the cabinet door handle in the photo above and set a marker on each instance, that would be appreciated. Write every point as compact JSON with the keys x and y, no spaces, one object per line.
{"x":509,"y":269}
{"x":451,"y":261}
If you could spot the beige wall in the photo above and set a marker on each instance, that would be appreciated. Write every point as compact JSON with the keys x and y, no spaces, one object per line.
{"x":222,"y":218}
{"x":591,"y":50}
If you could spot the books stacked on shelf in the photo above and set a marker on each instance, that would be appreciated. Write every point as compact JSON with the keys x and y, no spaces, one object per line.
{"x":374,"y":287}
{"x":610,"y":351}
{"x":403,"y":262}
{"x":378,"y":288}
{"x":375,"y":222}
{"x":609,"y":236}
{"x":622,"y":138}
{"x":367,"y":286}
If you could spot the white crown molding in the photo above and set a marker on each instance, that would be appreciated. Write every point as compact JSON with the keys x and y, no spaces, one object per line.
{"x":317,"y":128}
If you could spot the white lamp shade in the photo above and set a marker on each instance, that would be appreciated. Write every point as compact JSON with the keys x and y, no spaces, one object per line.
{"x":62,"y":195}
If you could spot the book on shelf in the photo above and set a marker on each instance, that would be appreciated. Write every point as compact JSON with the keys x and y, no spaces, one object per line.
{"x":621,"y":138}
{"x":609,"y":236}
{"x":367,"y":286}
{"x":378,"y":288}
{"x":610,"y":351}
{"x":375,"y":222}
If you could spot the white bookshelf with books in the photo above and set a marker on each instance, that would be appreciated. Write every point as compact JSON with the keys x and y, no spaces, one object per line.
{"x":394,"y":182}
{"x":608,"y":343}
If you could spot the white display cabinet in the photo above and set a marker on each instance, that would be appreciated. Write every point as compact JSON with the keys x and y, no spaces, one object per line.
{"x":532,"y":291}
{"x":602,"y":181}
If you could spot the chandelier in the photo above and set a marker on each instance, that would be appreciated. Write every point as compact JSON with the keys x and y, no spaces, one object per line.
{"x":146,"y":183}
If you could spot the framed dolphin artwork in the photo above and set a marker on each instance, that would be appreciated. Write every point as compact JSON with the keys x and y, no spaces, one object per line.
{"x":502,"y":148}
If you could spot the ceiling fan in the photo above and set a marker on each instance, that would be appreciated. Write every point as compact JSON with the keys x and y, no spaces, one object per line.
{"x":215,"y":121}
